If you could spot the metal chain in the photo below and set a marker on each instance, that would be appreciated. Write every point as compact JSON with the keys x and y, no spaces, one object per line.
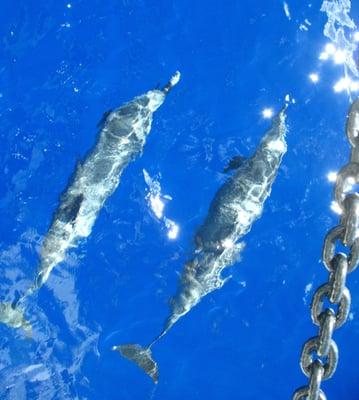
{"x":319,"y":357}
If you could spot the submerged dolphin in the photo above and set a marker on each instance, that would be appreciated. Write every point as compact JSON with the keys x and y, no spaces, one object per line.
{"x":236,"y":205}
{"x":123,"y":134}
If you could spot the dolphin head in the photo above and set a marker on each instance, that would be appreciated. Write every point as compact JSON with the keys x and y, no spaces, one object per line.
{"x":133,"y":120}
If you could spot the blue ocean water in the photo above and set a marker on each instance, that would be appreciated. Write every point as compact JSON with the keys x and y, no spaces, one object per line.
{"x":63,"y":64}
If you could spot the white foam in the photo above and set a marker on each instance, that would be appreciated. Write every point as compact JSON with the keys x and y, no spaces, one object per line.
{"x":337,"y":29}
{"x":286,"y":10}
{"x":156,"y":202}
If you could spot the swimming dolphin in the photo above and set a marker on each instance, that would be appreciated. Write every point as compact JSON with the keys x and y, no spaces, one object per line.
{"x":236,"y":205}
{"x":122,"y":136}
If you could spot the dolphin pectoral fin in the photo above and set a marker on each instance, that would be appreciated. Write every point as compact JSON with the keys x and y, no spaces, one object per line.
{"x":141,"y":357}
{"x":14,"y":318}
{"x":234,"y":163}
{"x":226,"y":279}
{"x":103,"y":119}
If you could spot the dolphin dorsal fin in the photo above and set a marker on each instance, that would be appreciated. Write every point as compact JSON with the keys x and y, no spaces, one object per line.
{"x":234,"y":163}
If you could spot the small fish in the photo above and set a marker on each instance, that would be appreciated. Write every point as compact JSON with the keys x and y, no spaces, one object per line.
{"x":122,"y":136}
{"x":235,"y":207}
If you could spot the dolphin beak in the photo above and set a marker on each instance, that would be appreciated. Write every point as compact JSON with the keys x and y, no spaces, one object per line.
{"x":172,"y":82}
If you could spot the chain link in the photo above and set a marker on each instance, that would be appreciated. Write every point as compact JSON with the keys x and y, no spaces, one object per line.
{"x":319,"y":357}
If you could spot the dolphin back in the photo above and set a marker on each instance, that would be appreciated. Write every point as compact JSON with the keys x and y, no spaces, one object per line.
{"x":240,"y":200}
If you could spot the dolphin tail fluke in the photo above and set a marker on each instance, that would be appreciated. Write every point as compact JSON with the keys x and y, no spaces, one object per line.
{"x":172,"y":82}
{"x":13,"y":316}
{"x":141,"y":357}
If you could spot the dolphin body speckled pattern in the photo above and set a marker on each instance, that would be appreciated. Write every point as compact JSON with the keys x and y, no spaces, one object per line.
{"x":236,"y":205}
{"x":123,"y":134}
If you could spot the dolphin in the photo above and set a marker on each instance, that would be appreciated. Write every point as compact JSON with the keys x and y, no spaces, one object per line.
{"x":122,"y":136}
{"x":236,"y":205}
